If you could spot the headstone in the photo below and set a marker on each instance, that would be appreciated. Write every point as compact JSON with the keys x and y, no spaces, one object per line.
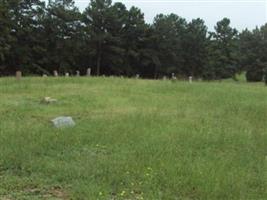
{"x":44,"y":75}
{"x":67,"y":74}
{"x":137,"y":76}
{"x":63,"y":122}
{"x":88,"y":72}
{"x":190,"y":79}
{"x":77,"y":73}
{"x":55,"y":73}
{"x":48,"y":100}
{"x":164,"y":78}
{"x":18,"y":75}
{"x":174,"y":77}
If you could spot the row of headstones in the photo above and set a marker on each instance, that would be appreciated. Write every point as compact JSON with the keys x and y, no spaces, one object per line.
{"x":173,"y":77}
{"x":55,"y":72}
{"x":88,"y":73}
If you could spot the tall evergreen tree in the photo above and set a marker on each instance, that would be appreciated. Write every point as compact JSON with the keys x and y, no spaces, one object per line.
{"x":25,"y":16}
{"x":169,"y":32}
{"x":195,"y":47}
{"x":5,"y":36}
{"x":223,"y":51}
{"x":97,"y":19}
{"x":62,"y":27}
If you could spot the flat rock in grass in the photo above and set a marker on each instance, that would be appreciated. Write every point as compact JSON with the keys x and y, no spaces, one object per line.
{"x":48,"y":100}
{"x":63,"y":122}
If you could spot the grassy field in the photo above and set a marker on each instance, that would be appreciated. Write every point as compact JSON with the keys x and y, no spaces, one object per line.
{"x":134,"y":139}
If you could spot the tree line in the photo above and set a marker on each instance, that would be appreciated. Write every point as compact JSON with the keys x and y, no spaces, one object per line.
{"x":39,"y":37}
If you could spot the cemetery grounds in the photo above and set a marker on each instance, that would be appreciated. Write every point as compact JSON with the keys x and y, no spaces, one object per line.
{"x":133,"y":139}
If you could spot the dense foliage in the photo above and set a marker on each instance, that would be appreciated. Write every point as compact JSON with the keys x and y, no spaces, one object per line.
{"x":38,"y":38}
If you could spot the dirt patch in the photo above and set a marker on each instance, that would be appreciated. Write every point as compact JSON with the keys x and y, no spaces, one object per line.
{"x":55,"y":192}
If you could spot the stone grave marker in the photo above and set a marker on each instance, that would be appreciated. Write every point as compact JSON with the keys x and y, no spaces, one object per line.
{"x":18,"y":75}
{"x":63,"y":122}
{"x":55,"y":73}
{"x":190,"y":79}
{"x":88,"y":72}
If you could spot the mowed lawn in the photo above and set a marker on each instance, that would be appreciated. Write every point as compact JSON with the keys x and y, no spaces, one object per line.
{"x":133,"y":139}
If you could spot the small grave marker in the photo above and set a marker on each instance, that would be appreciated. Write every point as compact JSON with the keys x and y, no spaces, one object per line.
{"x":190,"y":79}
{"x":88,"y":72}
{"x":48,"y":100}
{"x":55,"y":73}
{"x":63,"y":122}
{"x":174,"y":77}
{"x":18,"y":75}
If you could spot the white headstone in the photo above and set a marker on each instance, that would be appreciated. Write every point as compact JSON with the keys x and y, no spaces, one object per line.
{"x":89,"y":72}
{"x":173,"y":77}
{"x":67,"y":74}
{"x":48,"y":100}
{"x":55,"y":73}
{"x":137,"y":76}
{"x":77,"y":73}
{"x":190,"y":79}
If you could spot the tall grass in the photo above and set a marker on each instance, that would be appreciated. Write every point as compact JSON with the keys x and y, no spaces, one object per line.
{"x":134,"y":139}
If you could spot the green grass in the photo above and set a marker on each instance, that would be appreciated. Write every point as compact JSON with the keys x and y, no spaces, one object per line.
{"x":134,"y":139}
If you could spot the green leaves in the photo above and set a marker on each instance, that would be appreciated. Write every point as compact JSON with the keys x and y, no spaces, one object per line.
{"x":111,"y":39}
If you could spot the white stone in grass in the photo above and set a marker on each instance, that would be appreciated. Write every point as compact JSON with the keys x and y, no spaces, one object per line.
{"x":190,"y":79}
{"x":63,"y":122}
{"x":48,"y":100}
{"x":88,"y":72}
{"x":55,"y":73}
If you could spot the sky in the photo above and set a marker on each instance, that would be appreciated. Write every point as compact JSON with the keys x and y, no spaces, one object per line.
{"x":243,"y":13}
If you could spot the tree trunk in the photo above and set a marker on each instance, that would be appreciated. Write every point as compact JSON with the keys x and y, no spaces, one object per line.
{"x":98,"y":64}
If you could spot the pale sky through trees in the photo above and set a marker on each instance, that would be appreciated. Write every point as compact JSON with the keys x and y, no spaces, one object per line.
{"x":243,"y":13}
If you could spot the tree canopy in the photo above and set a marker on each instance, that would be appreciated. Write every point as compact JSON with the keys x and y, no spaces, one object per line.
{"x":39,"y":37}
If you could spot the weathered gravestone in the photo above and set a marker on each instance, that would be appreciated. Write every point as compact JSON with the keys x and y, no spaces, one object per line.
{"x":77,"y":73}
{"x":174,"y":77}
{"x":48,"y":100}
{"x":55,"y":73}
{"x":18,"y":75}
{"x":88,"y":72}
{"x":190,"y":79}
{"x":67,"y":74}
{"x":63,"y":122}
